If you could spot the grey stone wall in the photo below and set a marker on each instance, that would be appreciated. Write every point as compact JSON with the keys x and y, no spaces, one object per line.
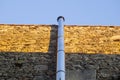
{"x":27,"y":66}
{"x":42,"y":66}
{"x":107,"y":66}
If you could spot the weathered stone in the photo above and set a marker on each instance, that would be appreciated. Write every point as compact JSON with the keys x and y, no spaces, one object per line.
{"x":98,"y":62}
{"x":80,"y":42}
{"x":85,"y":74}
{"x":38,"y":78}
{"x":12,"y":79}
{"x":0,"y":74}
{"x":105,"y":73}
{"x":37,"y":64}
{"x":39,"y":38}
{"x":115,"y":38}
{"x":41,"y":67}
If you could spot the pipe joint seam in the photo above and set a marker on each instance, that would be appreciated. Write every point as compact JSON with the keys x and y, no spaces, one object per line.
{"x":60,"y":71}
{"x":60,"y":50}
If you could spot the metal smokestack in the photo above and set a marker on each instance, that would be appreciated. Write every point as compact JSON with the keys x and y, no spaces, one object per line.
{"x":60,"y":75}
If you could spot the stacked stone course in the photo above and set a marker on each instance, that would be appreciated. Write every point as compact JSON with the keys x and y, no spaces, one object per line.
{"x":28,"y":52}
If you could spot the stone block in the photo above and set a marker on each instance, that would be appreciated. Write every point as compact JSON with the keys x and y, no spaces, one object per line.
{"x":41,"y":67}
{"x":81,"y":74}
{"x":38,"y":78}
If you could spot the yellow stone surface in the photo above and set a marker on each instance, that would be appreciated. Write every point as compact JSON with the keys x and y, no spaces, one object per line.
{"x":78,"y":39}
{"x":92,"y":39}
{"x":24,"y":38}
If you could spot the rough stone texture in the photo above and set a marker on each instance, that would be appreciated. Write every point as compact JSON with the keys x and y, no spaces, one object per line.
{"x":34,"y":66}
{"x":28,"y":52}
{"x":92,"y":39}
{"x":27,"y":66}
{"x":106,"y":66}
{"x":86,"y":74}
{"x":27,"y":38}
{"x":78,"y":39}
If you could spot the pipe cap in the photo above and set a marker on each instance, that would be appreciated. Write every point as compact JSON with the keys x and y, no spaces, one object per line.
{"x":61,"y":17}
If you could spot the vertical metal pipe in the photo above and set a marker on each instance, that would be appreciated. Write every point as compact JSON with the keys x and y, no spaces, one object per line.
{"x":60,"y":50}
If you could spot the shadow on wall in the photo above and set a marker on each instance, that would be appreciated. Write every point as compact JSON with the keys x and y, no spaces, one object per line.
{"x":30,"y":65}
{"x":42,"y":66}
{"x":53,"y":39}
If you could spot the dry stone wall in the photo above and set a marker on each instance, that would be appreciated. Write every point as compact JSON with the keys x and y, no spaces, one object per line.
{"x":28,"y":52}
{"x":82,"y":39}
{"x":92,"y":39}
{"x":41,"y":66}
{"x":25,"y":38}
{"x":26,"y":66}
{"x":107,"y":67}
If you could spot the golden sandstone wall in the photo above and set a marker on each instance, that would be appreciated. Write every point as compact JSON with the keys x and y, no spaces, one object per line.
{"x":92,"y":39}
{"x":78,"y":39}
{"x":24,"y":38}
